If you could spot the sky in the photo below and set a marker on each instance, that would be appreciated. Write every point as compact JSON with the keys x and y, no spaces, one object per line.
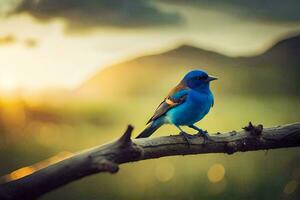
{"x":60,"y":43}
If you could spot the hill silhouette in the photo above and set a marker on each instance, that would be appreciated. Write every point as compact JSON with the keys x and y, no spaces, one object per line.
{"x":273,"y":72}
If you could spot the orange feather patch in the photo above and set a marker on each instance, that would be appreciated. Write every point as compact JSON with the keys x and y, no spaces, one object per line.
{"x":170,"y":102}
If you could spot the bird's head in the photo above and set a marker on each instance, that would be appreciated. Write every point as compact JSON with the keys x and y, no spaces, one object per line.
{"x":198,"y":79}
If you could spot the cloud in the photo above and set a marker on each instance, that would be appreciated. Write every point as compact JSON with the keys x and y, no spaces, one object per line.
{"x":268,"y":10}
{"x":95,"y":13}
{"x":30,"y":42}
{"x":9,"y":39}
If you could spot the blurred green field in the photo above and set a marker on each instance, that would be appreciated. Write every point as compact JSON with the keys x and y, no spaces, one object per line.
{"x":45,"y":131}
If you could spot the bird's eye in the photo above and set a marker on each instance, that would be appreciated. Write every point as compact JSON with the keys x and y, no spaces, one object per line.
{"x":202,"y":77}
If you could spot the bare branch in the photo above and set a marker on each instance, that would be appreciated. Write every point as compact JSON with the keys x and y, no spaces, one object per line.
{"x":106,"y":158}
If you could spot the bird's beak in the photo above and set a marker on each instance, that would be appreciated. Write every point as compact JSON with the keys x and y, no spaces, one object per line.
{"x":211,"y":78}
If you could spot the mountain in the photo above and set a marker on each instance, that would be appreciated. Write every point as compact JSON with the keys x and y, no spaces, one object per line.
{"x":286,"y":51}
{"x":274,"y":72}
{"x":282,"y":54}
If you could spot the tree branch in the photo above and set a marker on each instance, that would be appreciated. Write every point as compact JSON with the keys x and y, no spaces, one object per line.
{"x":105,"y":158}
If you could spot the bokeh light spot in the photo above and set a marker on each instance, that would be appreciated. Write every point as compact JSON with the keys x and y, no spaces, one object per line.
{"x":164,"y":171}
{"x":291,"y":187}
{"x":216,"y":173}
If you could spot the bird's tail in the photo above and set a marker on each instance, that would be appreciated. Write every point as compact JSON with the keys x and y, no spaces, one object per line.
{"x":151,"y":128}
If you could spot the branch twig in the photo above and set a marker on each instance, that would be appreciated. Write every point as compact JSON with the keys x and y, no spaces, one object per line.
{"x":106,"y":158}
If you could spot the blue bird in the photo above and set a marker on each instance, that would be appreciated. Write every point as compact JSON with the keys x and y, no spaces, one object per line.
{"x":185,"y":105}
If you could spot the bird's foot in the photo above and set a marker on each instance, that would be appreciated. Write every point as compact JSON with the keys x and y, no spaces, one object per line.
{"x":204,"y":134}
{"x":186,"y":137}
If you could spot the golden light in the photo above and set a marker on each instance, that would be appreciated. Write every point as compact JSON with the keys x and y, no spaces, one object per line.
{"x":12,"y":110}
{"x":216,"y":173}
{"x":164,"y":171}
{"x":40,"y":165}
{"x":20,"y":173}
{"x":8,"y":83}
{"x":291,"y":187}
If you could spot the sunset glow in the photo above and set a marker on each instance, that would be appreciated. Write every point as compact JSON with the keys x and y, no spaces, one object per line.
{"x":41,"y":55}
{"x":75,"y":73}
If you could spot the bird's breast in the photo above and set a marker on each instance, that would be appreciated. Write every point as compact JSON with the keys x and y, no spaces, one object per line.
{"x":200,"y":99}
{"x":196,"y":106}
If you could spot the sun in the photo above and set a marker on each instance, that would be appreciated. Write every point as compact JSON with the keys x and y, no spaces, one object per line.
{"x":8,"y":83}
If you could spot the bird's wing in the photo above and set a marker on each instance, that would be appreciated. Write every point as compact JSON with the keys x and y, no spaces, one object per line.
{"x":176,"y":97}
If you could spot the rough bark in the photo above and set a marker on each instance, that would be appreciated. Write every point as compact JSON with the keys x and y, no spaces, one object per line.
{"x":106,"y":158}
